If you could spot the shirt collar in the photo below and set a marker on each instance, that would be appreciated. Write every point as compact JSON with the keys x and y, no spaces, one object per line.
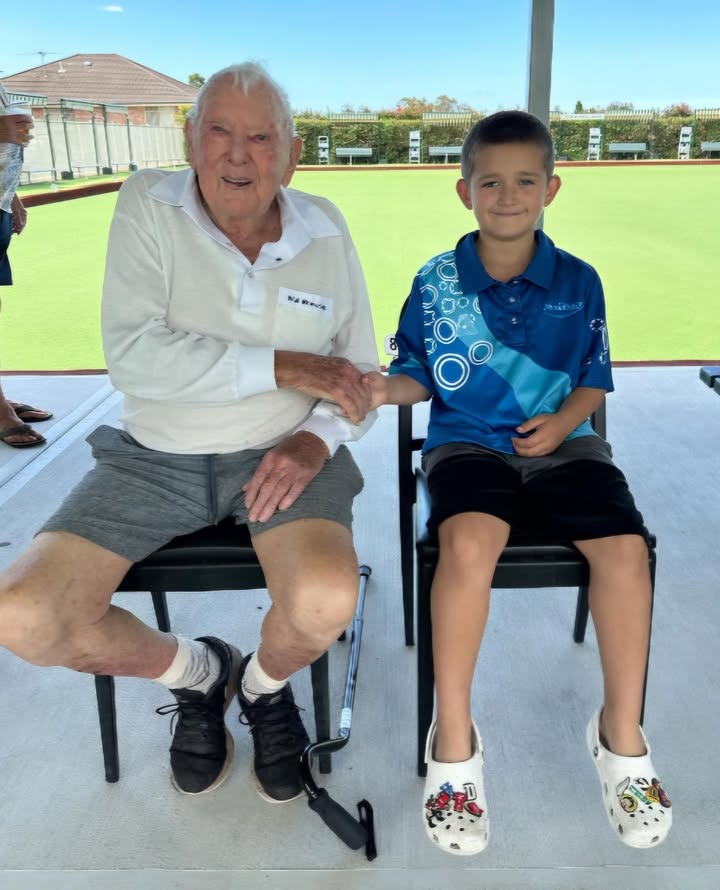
{"x":474,"y":277}
{"x":301,"y":219}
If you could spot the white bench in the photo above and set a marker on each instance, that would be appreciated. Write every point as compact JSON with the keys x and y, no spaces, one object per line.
{"x":356,"y":152}
{"x":444,"y":151}
{"x":709,"y":147}
{"x":627,"y":148}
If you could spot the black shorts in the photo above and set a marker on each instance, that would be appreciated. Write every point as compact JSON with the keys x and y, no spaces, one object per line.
{"x":574,"y":500}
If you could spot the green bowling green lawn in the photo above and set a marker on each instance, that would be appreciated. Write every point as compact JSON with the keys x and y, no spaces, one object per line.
{"x":651,"y":232}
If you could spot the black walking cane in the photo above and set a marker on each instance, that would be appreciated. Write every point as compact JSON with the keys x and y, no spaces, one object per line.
{"x":353,"y":832}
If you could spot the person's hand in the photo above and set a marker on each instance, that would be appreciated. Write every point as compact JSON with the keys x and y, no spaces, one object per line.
{"x":283,"y":474}
{"x":377,"y":385}
{"x":15,"y":128}
{"x":546,"y":432}
{"x":324,"y":377}
{"x":19,"y":215}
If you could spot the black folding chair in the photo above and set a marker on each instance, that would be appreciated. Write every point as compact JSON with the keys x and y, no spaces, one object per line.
{"x":219,"y":557}
{"x":527,"y":561}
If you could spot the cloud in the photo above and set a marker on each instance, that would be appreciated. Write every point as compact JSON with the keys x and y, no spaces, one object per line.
{"x":111,"y":8}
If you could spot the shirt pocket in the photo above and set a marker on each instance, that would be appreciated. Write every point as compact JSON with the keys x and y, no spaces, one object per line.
{"x":304,"y":322}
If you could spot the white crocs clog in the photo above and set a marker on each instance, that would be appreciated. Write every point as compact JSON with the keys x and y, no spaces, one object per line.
{"x":455,"y":809}
{"x":636,"y":805}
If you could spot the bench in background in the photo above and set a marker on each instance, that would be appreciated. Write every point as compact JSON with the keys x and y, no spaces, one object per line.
{"x":350,"y":153}
{"x":707,"y":148}
{"x":711,"y":377}
{"x":627,"y":148}
{"x":444,"y":151}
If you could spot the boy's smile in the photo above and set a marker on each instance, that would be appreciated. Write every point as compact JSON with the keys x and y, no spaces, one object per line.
{"x":508,"y":190}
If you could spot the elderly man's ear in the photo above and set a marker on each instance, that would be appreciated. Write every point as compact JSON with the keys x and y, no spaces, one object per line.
{"x":296,"y":148}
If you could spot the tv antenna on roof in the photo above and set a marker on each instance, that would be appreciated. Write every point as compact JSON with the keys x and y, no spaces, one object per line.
{"x":40,"y":52}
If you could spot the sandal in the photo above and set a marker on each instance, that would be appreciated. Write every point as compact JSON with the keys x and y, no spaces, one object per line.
{"x":23,"y":430}
{"x":28,"y":414}
{"x":455,"y":809}
{"x":635,"y":803}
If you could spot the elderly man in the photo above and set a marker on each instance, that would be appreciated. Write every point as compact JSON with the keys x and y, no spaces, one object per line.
{"x":236,"y":322}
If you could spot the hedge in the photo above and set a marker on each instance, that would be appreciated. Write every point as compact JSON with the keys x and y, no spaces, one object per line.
{"x":389,"y":137}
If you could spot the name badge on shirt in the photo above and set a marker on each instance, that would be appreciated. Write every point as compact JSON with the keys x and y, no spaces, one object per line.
{"x":305,"y":302}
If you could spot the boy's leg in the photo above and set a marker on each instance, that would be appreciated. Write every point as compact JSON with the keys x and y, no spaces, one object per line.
{"x":589,"y":502}
{"x":470,"y":545}
{"x":620,"y":598}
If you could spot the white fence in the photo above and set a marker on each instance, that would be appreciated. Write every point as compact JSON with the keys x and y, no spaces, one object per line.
{"x":68,"y":149}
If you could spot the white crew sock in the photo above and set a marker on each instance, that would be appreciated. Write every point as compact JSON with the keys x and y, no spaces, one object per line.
{"x":255,"y":682}
{"x":195,"y":666}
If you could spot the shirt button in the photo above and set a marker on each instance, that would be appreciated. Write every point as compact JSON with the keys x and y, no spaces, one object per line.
{"x":511,"y":299}
{"x":514,"y":320}
{"x":251,"y":274}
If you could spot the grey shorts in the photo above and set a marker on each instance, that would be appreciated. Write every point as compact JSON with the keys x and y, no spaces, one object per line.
{"x":135,"y":500}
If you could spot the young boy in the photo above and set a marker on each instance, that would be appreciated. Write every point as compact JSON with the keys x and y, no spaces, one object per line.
{"x":507,"y":334}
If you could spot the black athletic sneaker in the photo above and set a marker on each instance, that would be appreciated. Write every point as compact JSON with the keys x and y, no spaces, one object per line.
{"x":279,"y":739}
{"x":202,"y":749}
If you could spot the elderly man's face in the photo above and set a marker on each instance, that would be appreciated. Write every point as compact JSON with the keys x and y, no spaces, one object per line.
{"x":240,"y":156}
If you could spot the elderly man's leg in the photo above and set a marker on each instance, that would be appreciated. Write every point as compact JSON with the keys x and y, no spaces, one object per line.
{"x":55,"y":610}
{"x":313,"y":587}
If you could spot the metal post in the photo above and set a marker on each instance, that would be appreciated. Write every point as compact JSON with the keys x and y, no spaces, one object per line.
{"x":107,"y":137}
{"x":95,"y":142}
{"x":50,"y":144}
{"x":542,"y":19}
{"x":63,"y":114}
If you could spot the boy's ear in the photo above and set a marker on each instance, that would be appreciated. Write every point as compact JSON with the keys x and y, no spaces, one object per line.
{"x":461,"y":187}
{"x":553,"y":188}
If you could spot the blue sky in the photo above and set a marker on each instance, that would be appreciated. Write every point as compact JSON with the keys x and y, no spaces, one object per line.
{"x":653,"y":53}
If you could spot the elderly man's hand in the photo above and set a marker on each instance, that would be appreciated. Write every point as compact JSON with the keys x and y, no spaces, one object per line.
{"x":325,"y":377}
{"x":283,"y":474}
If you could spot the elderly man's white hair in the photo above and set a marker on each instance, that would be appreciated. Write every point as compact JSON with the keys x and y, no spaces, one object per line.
{"x":247,"y":76}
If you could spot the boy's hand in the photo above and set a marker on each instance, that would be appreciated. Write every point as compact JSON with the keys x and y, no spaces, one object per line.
{"x":376,"y":385}
{"x":545,"y":433}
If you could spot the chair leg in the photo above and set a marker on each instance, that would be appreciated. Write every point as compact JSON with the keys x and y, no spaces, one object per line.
{"x":582,"y":610}
{"x":105,"y":692}
{"x":653,"y":560}
{"x":320,"y":675}
{"x":162,"y":616}
{"x":406,"y":499}
{"x":425,"y":664}
{"x":407,"y":560}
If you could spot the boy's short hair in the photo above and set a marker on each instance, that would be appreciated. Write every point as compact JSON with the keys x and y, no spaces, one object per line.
{"x":502,"y":128}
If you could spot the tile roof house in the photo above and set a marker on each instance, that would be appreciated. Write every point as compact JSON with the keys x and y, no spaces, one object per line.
{"x":105,"y":79}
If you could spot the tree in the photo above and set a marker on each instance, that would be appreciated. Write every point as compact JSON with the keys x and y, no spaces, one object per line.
{"x":196,"y":80}
{"x":679,"y":109}
{"x":411,"y":106}
{"x":579,"y":107}
{"x":620,"y":106}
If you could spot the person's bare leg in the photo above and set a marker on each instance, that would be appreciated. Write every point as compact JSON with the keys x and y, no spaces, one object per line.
{"x":55,"y":610}
{"x":470,"y":544}
{"x":620,"y":597}
{"x":313,"y":588}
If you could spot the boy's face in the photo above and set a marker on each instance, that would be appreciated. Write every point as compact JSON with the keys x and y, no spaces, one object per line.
{"x":508,"y":190}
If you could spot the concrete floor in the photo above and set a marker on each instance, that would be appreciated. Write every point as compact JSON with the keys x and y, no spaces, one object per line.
{"x":64,"y":828}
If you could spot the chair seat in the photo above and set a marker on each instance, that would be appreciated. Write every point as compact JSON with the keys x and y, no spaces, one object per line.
{"x":217,"y":555}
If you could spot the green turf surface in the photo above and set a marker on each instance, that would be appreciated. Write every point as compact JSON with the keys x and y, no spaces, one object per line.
{"x":650,"y":231}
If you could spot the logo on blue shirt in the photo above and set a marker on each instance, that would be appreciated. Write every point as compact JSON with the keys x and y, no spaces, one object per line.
{"x":562,"y":310}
